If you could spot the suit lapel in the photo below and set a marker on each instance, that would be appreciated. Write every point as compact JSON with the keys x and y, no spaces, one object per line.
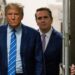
{"x":24,"y":40}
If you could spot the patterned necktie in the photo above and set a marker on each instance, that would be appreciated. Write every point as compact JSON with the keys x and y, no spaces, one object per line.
{"x":12,"y":55}
{"x":43,"y":41}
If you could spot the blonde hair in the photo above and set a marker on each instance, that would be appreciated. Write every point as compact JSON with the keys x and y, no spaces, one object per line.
{"x":16,"y":5}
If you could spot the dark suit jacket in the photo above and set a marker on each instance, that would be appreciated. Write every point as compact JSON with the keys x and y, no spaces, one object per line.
{"x":53,"y":53}
{"x":30,"y":51}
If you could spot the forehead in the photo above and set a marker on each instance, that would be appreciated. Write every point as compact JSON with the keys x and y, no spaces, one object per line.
{"x":13,"y":10}
{"x":42,"y":13}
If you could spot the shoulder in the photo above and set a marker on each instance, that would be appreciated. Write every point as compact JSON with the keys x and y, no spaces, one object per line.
{"x":57,"y":34}
{"x":57,"y":38}
{"x":3,"y":28}
{"x":29,"y":30}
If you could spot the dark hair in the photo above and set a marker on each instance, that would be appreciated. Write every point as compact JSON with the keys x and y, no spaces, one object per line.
{"x":44,"y":9}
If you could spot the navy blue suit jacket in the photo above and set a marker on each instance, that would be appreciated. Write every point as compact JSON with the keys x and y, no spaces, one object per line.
{"x":30,"y":51}
{"x":53,"y":53}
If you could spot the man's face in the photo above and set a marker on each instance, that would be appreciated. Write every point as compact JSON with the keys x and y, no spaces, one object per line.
{"x":43,"y":20}
{"x":14,"y":17}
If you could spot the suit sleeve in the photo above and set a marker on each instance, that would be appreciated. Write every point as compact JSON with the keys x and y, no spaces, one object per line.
{"x":0,"y":63}
{"x":39,"y":57}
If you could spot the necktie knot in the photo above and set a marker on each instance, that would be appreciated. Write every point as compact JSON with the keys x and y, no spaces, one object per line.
{"x":43,"y":35}
{"x":13,"y":30}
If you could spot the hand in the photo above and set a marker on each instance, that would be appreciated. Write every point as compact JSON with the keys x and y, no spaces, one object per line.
{"x":72,"y":69}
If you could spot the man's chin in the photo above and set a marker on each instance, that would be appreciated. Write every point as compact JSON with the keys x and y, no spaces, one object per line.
{"x":13,"y":26}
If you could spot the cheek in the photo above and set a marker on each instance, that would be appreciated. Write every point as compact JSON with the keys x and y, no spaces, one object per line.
{"x":38,"y":22}
{"x":19,"y":19}
{"x":50,"y":21}
{"x":8,"y":19}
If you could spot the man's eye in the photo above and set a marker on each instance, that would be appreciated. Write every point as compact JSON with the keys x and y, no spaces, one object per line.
{"x":12,"y":14}
{"x":39,"y":18}
{"x":16,"y":14}
{"x":45,"y":16}
{"x":9,"y":14}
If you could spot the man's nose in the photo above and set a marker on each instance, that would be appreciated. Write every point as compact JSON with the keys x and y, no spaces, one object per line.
{"x":42,"y":19}
{"x":13,"y":17}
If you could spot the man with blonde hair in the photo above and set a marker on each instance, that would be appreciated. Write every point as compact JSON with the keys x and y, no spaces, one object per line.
{"x":20,"y":46}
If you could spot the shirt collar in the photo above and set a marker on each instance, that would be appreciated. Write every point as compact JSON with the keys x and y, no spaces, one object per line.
{"x":48,"y":33}
{"x":17,"y":29}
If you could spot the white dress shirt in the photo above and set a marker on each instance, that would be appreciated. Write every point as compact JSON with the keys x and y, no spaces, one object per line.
{"x":18,"y":57}
{"x":48,"y":35}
